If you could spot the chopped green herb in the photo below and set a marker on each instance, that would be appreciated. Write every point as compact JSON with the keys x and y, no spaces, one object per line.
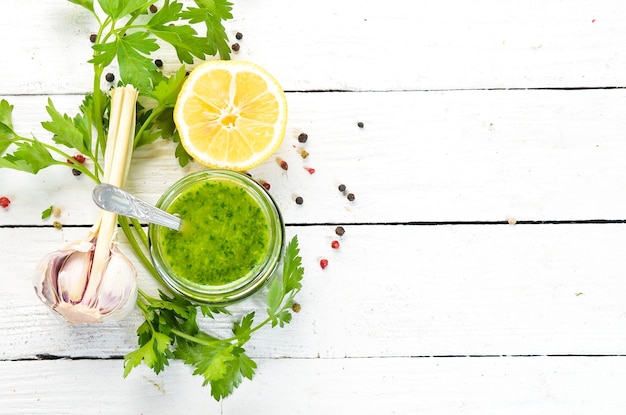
{"x":45,"y":214}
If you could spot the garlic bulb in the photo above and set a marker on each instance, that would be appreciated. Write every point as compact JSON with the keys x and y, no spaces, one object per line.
{"x":91,"y":280}
{"x":61,"y":280}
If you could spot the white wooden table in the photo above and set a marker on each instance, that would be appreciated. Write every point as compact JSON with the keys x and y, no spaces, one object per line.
{"x":483,"y":269}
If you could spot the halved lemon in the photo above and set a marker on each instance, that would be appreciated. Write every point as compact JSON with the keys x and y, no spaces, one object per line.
{"x":230,"y":114}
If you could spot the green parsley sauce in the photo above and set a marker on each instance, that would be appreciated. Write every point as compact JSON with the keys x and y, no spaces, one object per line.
{"x":225,"y":234}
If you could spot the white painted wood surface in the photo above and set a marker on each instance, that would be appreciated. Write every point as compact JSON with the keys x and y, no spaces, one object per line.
{"x":473,"y":115}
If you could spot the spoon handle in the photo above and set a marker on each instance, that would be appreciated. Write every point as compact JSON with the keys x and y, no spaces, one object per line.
{"x":113,"y":199}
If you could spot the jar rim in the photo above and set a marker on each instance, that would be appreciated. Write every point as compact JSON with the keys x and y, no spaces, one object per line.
{"x":246,"y":285}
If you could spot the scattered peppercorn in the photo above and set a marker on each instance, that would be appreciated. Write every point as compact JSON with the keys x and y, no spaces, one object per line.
{"x":79,"y":158}
{"x":360,"y":124}
{"x":265,"y":184}
{"x":299,"y":200}
{"x":4,"y":202}
{"x":56,"y":212}
{"x":283,"y":164}
{"x":57,"y":224}
{"x":303,"y":153}
{"x":238,"y":35}
{"x":296,"y":307}
{"x":334,"y":244}
{"x":158,"y":63}
{"x":323,"y":263}
{"x":350,"y":197}
{"x":339,"y":230}
{"x":109,"y":77}
{"x":76,"y":172}
{"x":235,"y":47}
{"x":153,"y":8}
{"x":342,"y":187}
{"x":311,"y":170}
{"x":93,"y":37}
{"x":303,"y":137}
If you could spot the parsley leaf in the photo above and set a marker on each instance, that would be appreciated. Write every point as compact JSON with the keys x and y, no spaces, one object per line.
{"x":6,"y":125}
{"x":68,"y":132}
{"x":154,"y":353}
{"x":166,"y":91}
{"x":136,"y":67}
{"x":29,"y":157}
{"x":183,"y":38}
{"x":120,"y":8}
{"x":211,"y":13}
{"x":87,"y":4}
{"x":45,"y":214}
{"x":284,"y":288}
{"x":292,"y":268}
{"x":104,"y":53}
{"x":242,"y":330}
{"x":240,"y":365}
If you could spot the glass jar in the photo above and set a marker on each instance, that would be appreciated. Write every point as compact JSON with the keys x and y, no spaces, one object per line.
{"x":231,"y":239}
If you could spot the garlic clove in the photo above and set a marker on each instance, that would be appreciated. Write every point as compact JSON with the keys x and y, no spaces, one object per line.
{"x":45,"y":278}
{"x":117,"y":293}
{"x":73,"y":277}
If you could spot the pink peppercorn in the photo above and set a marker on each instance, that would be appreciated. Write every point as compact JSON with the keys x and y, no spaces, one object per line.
{"x":323,"y":263}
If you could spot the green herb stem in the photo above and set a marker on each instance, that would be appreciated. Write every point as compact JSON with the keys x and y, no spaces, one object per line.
{"x":204,"y":342}
{"x":153,"y":115}
{"x":78,"y":166}
{"x":123,"y":221}
{"x":142,"y":235}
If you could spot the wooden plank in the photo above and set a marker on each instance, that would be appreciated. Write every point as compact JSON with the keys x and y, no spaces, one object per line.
{"x":97,"y":387}
{"x":328,"y":45}
{"x":513,"y":385}
{"x":388,"y":291}
{"x":421,"y":156}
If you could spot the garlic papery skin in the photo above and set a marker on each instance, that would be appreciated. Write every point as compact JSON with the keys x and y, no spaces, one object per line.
{"x":61,"y":279}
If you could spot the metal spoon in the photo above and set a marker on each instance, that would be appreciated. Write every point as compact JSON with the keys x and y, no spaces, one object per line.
{"x":113,"y":199}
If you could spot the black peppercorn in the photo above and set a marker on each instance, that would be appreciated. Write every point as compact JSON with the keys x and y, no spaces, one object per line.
{"x":342,"y":187}
{"x":235,"y":47}
{"x":158,"y":63}
{"x":360,"y":124}
{"x":303,"y":137}
{"x":109,"y":77}
{"x":350,"y":197}
{"x":238,"y":35}
{"x":76,"y":172}
{"x":93,"y":37}
{"x":299,"y":200}
{"x":339,"y":230}
{"x":153,"y":8}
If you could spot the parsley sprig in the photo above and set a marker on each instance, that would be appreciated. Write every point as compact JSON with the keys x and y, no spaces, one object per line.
{"x":171,"y":331}
{"x":128,"y":35}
